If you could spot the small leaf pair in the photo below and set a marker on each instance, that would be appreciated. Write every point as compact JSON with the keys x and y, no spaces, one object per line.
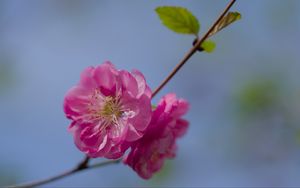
{"x":182,"y":21}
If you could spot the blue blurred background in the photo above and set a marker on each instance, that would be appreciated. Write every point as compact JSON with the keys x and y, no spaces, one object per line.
{"x":245,"y":97}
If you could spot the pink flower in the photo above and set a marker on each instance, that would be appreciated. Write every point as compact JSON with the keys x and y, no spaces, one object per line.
{"x":109,"y":110}
{"x":148,"y":154}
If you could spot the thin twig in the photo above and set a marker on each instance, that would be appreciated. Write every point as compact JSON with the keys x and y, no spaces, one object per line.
{"x":67,"y":173}
{"x":191,"y":52}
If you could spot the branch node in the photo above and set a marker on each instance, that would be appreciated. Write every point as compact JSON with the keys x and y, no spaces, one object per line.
{"x":83,"y":164}
{"x":200,"y":49}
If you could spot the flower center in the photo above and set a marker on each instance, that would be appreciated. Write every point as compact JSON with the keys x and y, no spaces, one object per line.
{"x":111,"y":109}
{"x":107,"y":109}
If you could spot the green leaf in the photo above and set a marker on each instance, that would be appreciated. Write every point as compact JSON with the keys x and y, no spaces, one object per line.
{"x":226,"y":20}
{"x":208,"y":46}
{"x":178,"y":19}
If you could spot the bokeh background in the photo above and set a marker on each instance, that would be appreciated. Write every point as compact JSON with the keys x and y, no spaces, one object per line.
{"x":245,"y":97}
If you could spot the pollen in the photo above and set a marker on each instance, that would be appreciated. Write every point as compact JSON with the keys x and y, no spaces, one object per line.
{"x":111,"y":109}
{"x":107,"y":109}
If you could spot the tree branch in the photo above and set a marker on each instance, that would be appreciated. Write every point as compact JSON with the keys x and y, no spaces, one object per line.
{"x":192,"y":51}
{"x":67,"y":173}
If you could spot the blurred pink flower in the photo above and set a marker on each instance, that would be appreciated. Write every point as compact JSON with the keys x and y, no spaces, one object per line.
{"x":148,"y":154}
{"x":109,"y":110}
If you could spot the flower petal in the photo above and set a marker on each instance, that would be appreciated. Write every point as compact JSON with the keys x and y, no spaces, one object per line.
{"x":129,"y":83}
{"x":143,"y":88}
{"x":86,"y":79}
{"x":76,"y":102}
{"x":105,"y":77}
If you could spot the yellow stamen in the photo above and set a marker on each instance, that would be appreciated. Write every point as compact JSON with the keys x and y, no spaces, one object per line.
{"x":111,"y":109}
